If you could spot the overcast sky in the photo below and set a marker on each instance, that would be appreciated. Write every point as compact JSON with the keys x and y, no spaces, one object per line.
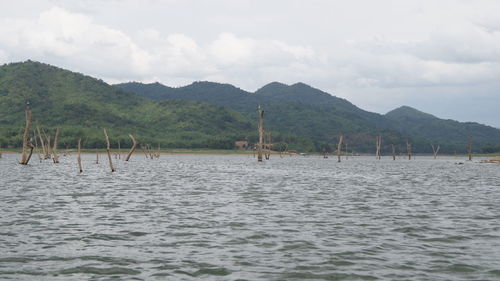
{"x":441,"y":57}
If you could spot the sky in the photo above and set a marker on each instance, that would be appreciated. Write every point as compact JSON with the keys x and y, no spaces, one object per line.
{"x":441,"y":57}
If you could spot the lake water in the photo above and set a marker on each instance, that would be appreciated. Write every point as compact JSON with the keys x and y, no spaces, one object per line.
{"x":187,"y":217}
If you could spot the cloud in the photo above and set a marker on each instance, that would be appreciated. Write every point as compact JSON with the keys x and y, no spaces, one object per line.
{"x":70,"y":39}
{"x":375,"y":57}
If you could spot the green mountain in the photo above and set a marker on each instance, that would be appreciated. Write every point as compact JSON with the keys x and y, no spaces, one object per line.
{"x":213,"y":115}
{"x":302,"y":110}
{"x":293,"y":110}
{"x":450,"y":133}
{"x":83,"y":105}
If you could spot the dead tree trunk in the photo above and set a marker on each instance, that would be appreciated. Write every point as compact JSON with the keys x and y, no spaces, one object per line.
{"x":270,"y":144}
{"x":339,"y":147}
{"x":42,"y":143}
{"x":79,"y":158}
{"x":261,"y":134}
{"x":134,"y":144}
{"x":150,"y":152}
{"x":119,"y":150}
{"x":346,"y":154}
{"x":37,"y":151}
{"x":267,"y":145}
{"x":109,"y":152}
{"x":48,"y":148}
{"x":25,"y":158}
{"x":378,"y":145}
{"x":435,"y":150}
{"x":55,"y":157}
{"x":408,"y":149}
{"x":393,"y":152}
{"x":469,"y":147}
{"x":144,"y":150}
{"x":158,"y":152}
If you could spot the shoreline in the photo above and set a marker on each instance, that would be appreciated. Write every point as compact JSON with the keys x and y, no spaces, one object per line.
{"x":240,"y":152}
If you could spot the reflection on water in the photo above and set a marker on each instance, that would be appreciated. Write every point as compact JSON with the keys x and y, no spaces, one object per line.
{"x":229,"y":217}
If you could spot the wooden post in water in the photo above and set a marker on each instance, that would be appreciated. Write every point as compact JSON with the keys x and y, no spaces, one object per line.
{"x":260,"y":112}
{"x":25,"y":158}
{"x":96,"y":156}
{"x":134,"y":144}
{"x":378,"y":145}
{"x":408,"y":149}
{"x":393,"y":152}
{"x":55,"y":157}
{"x":339,"y":147}
{"x":109,"y":152}
{"x":79,"y":158}
{"x":469,"y":147}
{"x":435,"y":150}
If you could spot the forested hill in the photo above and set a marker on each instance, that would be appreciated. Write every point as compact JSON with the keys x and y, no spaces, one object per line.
{"x":83,"y":105}
{"x":309,"y":112}
{"x":212,"y":115}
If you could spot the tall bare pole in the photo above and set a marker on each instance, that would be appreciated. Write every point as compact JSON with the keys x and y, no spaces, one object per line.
{"x":42,"y":142}
{"x":346,"y":154}
{"x":469,"y":147}
{"x":55,"y":157}
{"x":36,"y":147}
{"x":79,"y":158}
{"x":408,"y":149}
{"x":260,"y":112}
{"x":267,"y":144}
{"x":134,"y":144}
{"x":378,"y":145}
{"x":25,"y":158}
{"x":393,"y":152}
{"x":47,"y":143}
{"x":108,"y":150}
{"x":339,"y":147}
{"x":119,"y":150}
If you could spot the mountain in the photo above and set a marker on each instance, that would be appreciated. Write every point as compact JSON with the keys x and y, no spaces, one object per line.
{"x":83,"y":105}
{"x":413,"y":122}
{"x":305,"y":111}
{"x":296,"y":109}
{"x":214,"y":115}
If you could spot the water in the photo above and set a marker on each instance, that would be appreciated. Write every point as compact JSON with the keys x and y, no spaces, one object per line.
{"x":187,"y":217}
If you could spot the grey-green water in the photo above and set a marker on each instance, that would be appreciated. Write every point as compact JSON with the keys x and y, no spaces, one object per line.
{"x":187,"y":217}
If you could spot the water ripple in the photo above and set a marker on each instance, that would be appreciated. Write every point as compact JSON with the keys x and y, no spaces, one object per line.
{"x":188,"y":217}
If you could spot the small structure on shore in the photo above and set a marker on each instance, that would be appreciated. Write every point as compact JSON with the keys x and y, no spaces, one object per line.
{"x":241,"y":145}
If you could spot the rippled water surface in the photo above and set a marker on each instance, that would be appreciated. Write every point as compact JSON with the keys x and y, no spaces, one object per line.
{"x":185,"y":217}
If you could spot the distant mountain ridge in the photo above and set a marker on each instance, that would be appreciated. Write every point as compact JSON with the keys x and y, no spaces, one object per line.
{"x":214,"y":115}
{"x":307,"y":111}
{"x":83,"y":105}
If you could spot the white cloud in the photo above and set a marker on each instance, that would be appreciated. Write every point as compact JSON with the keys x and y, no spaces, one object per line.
{"x":59,"y":36}
{"x":380,"y":56}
